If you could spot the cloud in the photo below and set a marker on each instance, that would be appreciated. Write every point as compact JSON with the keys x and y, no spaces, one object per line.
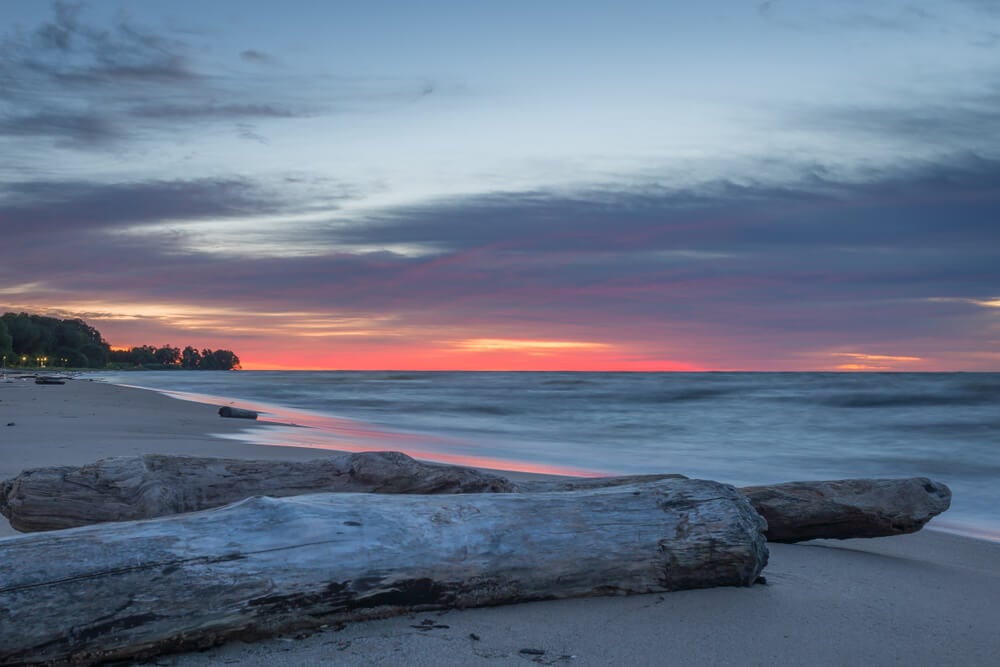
{"x":719,"y":217}
{"x":67,"y":51}
{"x":80,"y":129}
{"x":989,"y":7}
{"x":40,"y":208}
{"x":90,"y":87}
{"x":931,"y":17}
{"x":903,"y":256}
{"x":969,"y":121}
{"x":255,"y":56}
{"x":73,"y":82}
{"x":534,"y":347}
{"x":211,"y":111}
{"x":59,"y":33}
{"x":906,"y":19}
{"x":248,"y":131}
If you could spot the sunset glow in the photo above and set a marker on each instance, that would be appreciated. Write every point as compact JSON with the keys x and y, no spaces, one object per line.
{"x":735,"y":186}
{"x":534,"y":347}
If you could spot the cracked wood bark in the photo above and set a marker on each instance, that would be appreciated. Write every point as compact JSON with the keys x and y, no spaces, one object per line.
{"x":264,"y":565}
{"x":126,"y":488}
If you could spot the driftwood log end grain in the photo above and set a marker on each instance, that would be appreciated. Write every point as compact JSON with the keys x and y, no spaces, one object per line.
{"x":264,"y":565}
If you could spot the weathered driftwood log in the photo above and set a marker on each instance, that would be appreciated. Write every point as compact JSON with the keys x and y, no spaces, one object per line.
{"x":238,"y":413}
{"x":126,"y":488}
{"x":583,"y":483}
{"x":142,"y":487}
{"x":842,"y":509}
{"x":266,"y":565}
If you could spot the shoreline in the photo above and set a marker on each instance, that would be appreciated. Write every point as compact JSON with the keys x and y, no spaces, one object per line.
{"x":925,"y":598}
{"x":308,"y":429}
{"x":187,"y":423}
{"x":305,"y":429}
{"x":85,"y":420}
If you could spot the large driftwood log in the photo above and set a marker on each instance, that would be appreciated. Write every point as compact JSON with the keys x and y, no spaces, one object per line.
{"x":583,"y":483}
{"x":142,"y":487}
{"x":124,"y":488}
{"x":848,"y":508}
{"x":266,"y":565}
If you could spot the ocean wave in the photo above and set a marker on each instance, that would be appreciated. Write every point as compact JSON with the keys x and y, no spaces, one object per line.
{"x":950,"y":428}
{"x":683,"y":395}
{"x":739,"y":428}
{"x":880,"y":400}
{"x":491,"y":410}
{"x":569,"y":384}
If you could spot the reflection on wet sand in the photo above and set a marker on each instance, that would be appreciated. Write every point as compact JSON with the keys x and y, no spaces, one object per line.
{"x":287,"y":427}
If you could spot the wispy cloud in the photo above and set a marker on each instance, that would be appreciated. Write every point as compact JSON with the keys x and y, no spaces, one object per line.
{"x":891,"y":15}
{"x":860,"y":361}
{"x":993,"y":302}
{"x":860,"y":356}
{"x":255,"y":56}
{"x":47,"y":207}
{"x":81,"y":129}
{"x":812,"y":265}
{"x":535,"y":347}
{"x":927,"y":19}
{"x":211,"y":110}
{"x":961,"y":123}
{"x":96,"y":87}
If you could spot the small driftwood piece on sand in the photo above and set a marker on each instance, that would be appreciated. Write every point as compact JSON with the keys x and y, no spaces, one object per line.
{"x":270,"y":565}
{"x":142,"y":487}
{"x":237,"y":413}
{"x":848,"y":508}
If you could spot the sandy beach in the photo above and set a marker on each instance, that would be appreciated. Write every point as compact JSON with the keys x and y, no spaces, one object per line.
{"x":923,"y":599}
{"x":82,"y":421}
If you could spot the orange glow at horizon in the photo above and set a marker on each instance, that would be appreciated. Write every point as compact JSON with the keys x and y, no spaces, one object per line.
{"x":536,"y":347}
{"x":862,"y":362}
{"x":876,"y":357}
{"x":430,"y":357}
{"x":364,"y":341}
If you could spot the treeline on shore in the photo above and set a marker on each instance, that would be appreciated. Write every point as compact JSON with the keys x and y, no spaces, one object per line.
{"x":37,"y":340}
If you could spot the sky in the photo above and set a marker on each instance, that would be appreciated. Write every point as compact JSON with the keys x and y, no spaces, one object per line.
{"x":567,"y":185}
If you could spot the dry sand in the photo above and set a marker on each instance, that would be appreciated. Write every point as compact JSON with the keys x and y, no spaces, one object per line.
{"x":82,"y":421}
{"x":924,"y":599}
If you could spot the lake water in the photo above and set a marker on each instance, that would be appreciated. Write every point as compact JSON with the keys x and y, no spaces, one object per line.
{"x":741,"y":428}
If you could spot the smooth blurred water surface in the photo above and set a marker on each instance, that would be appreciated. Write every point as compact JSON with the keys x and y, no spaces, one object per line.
{"x":741,"y":428}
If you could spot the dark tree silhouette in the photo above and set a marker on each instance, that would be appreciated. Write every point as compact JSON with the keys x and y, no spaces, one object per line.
{"x":36,"y":340}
